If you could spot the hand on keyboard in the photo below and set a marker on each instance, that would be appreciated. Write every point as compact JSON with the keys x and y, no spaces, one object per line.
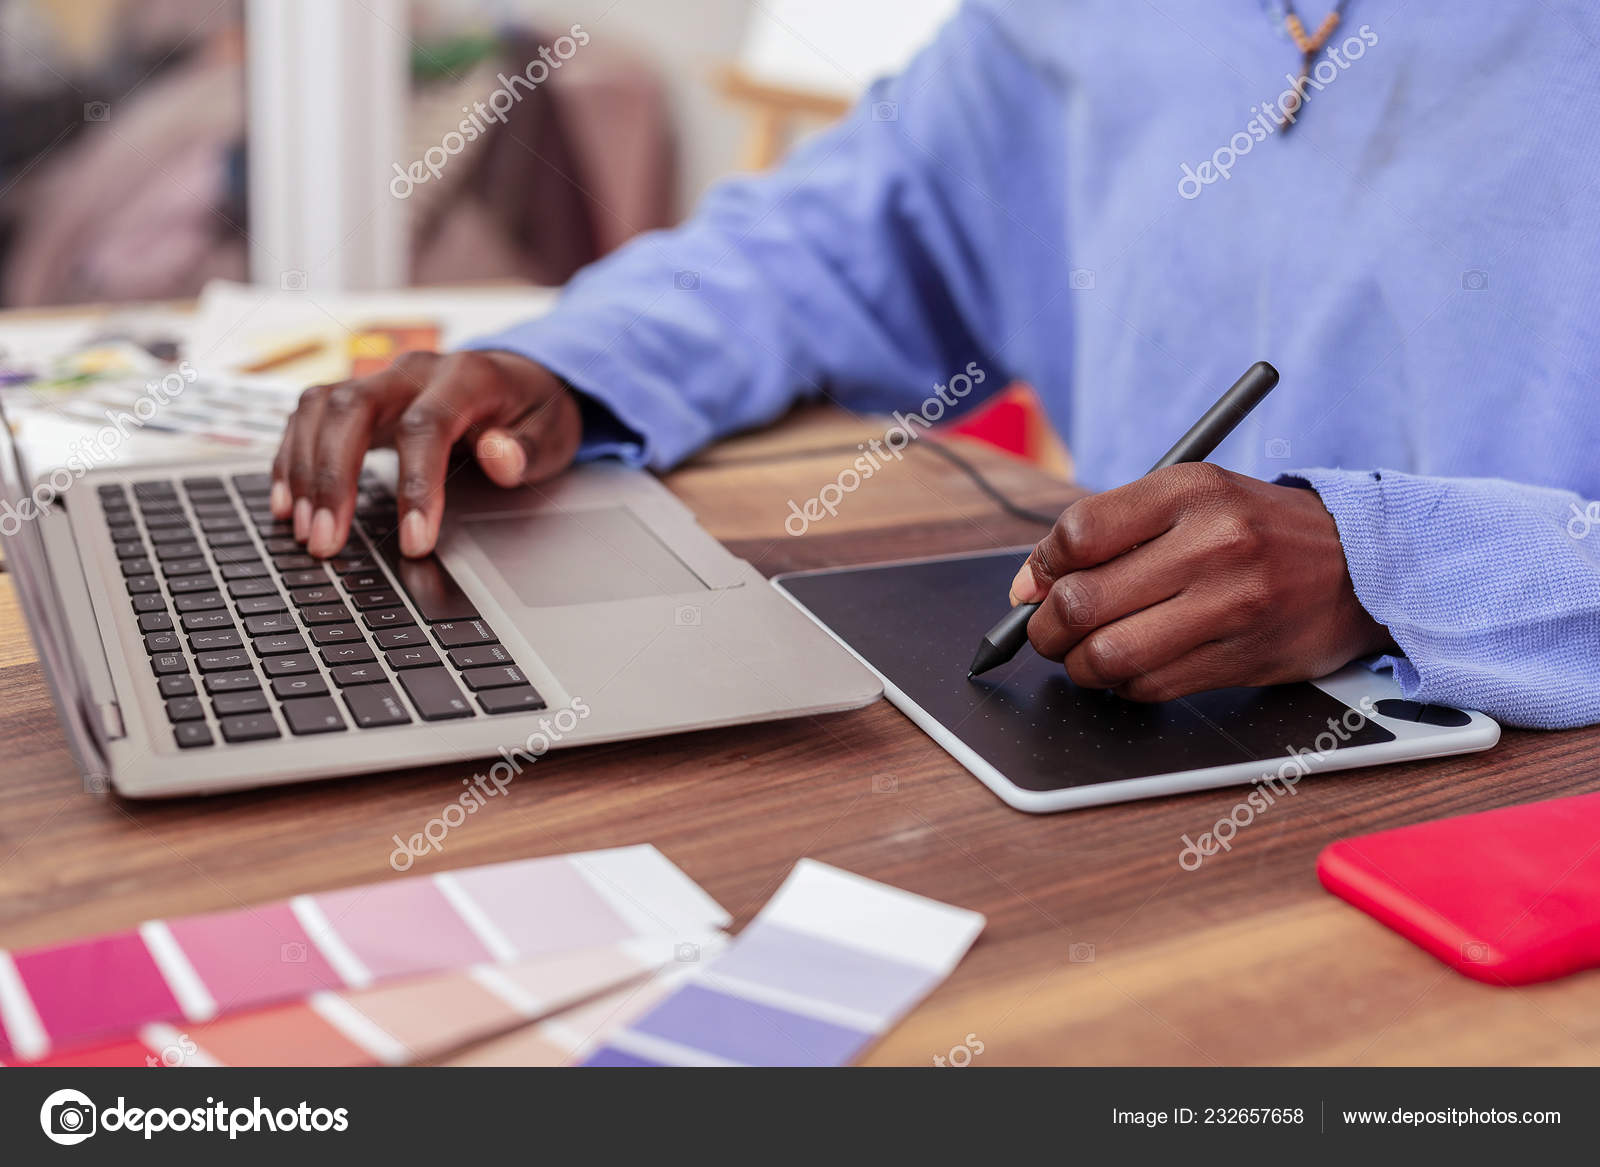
{"x":517,"y":418}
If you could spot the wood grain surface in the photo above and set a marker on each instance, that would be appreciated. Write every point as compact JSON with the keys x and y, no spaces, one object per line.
{"x":1099,"y":948}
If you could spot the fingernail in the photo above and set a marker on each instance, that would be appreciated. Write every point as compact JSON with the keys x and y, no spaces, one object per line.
{"x":321,"y":540}
{"x":1025,"y":588}
{"x":414,"y":534}
{"x":302,"y":519}
{"x":281,"y":501}
{"x":503,"y":457}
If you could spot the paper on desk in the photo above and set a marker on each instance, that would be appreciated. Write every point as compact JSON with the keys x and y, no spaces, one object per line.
{"x":238,"y":325}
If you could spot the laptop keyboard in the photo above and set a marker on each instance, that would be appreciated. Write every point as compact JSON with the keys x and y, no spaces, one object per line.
{"x":237,"y":619}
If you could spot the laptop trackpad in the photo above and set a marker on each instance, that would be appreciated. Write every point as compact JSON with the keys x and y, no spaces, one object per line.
{"x":580,"y":557}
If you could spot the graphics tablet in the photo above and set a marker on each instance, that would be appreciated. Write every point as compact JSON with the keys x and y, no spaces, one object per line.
{"x":1044,"y":744}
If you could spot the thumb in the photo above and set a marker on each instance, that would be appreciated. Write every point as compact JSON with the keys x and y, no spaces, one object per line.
{"x":539,"y":446}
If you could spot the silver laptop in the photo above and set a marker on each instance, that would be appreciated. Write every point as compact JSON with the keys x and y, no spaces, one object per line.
{"x":192,"y":647}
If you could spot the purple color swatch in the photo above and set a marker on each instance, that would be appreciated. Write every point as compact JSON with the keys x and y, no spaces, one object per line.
{"x":770,"y":954}
{"x":743,"y":1031}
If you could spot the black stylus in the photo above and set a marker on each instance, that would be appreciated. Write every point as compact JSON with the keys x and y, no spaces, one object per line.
{"x":1005,"y":639}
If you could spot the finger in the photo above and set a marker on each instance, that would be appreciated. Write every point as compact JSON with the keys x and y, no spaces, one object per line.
{"x":1079,"y":602}
{"x":351,"y":419}
{"x":281,"y":500}
{"x":538,"y":445}
{"x":303,"y":457}
{"x":458,"y":397}
{"x":1130,"y":648}
{"x":1218,"y":664}
{"x":1100,"y":527}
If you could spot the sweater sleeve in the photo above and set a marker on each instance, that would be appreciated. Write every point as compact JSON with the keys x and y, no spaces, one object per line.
{"x":1491,"y":589}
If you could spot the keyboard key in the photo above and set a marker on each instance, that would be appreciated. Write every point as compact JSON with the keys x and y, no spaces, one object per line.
{"x":226,"y":661}
{"x":434,"y":693}
{"x":288,"y":663}
{"x":362,"y":581}
{"x":164,"y":535}
{"x":154,"y":622}
{"x":270,"y":623}
{"x":150,"y":602}
{"x":215,"y":640}
{"x":132,"y":549}
{"x":479,"y":656}
{"x":186,"y":550}
{"x":296,"y":561}
{"x":498,"y":677}
{"x":463,"y":634}
{"x":198,"y":602}
{"x":190,"y":734}
{"x":370,"y":673}
{"x":191,"y":583}
{"x":347,"y":654}
{"x":305,"y":579}
{"x":306,"y":597}
{"x":236,"y":554}
{"x":127,"y":532}
{"x":419,"y":657}
{"x":202,"y":484}
{"x":176,"y":686}
{"x":278,"y":645}
{"x":244,"y":570}
{"x":242,"y":701}
{"x":252,"y":482}
{"x":326,"y":614}
{"x":140,"y":585}
{"x":230,"y":539}
{"x":305,"y":685}
{"x":161,"y":520}
{"x":312,"y":715}
{"x":259,"y":587}
{"x":176,"y":567}
{"x":276,"y":547}
{"x":381,"y":598}
{"x":386,"y":618}
{"x":166,"y":663}
{"x":432,"y":589}
{"x":335,"y":633}
{"x":200,"y":621}
{"x":249,"y":727}
{"x":139,"y":566}
{"x":162,"y":642}
{"x":518,"y":700}
{"x":185,"y":709}
{"x":346,"y":564}
{"x":212,"y":509}
{"x":231,"y":682}
{"x":375,"y":705}
{"x":214,"y":523}
{"x":400,"y":637}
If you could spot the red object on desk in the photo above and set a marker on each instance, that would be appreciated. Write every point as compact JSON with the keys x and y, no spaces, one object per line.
{"x":1507,"y":897}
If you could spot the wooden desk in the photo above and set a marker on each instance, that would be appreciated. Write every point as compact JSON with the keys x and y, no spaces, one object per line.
{"x":1246,"y":960}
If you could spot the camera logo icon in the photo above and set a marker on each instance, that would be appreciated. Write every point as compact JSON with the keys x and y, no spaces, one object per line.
{"x":885,"y":111}
{"x":885,"y":784}
{"x":1080,"y":279}
{"x":293,"y":280}
{"x":686,"y":281}
{"x":1474,"y":280}
{"x":96,"y":111}
{"x":1081,"y":954}
{"x":686,"y":953}
{"x":687,"y":616}
{"x":1475,"y":952}
{"x":1278,"y":448}
{"x":293,"y":952}
{"x":68,"y":1117}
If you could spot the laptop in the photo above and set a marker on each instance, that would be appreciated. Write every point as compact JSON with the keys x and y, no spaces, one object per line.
{"x":192,"y":646}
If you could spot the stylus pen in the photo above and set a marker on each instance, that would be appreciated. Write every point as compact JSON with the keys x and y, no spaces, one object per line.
{"x":1005,"y":639}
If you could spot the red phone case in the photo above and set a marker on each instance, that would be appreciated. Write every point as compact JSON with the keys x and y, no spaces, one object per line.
{"x":1507,"y":896}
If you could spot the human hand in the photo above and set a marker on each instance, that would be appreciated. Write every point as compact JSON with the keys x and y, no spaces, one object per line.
{"x":519,"y":420}
{"x":1194,"y":578}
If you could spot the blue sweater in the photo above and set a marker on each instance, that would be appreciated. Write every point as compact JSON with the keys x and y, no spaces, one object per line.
{"x":1095,"y":196}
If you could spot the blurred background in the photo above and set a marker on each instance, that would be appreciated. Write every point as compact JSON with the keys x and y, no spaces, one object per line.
{"x":210,"y":152}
